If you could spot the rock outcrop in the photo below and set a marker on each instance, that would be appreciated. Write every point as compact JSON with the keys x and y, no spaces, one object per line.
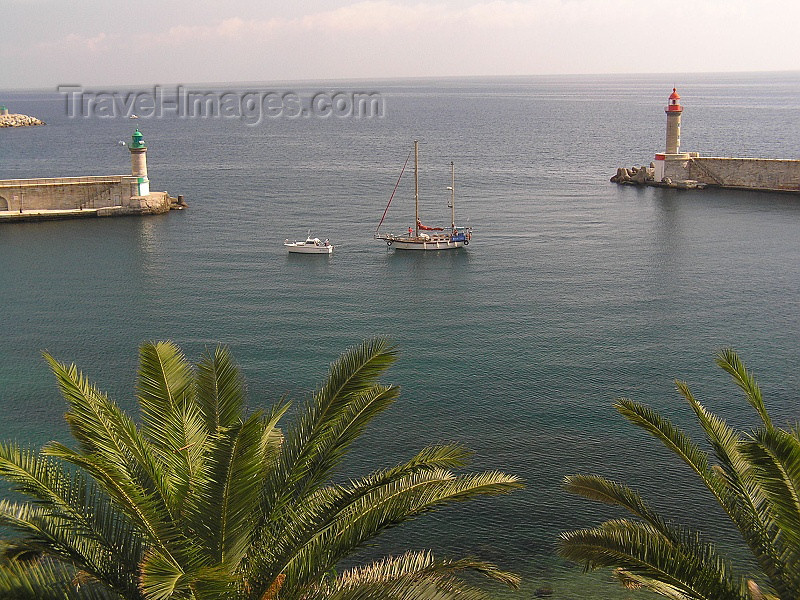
{"x":19,"y":121}
{"x":635,"y":175}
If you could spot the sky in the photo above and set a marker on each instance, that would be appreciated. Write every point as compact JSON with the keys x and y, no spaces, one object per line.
{"x":46,"y":43}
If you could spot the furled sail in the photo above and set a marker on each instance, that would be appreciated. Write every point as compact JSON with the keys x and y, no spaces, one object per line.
{"x":426,"y":228}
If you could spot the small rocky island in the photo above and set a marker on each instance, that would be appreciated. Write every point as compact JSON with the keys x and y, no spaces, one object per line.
{"x":15,"y":120}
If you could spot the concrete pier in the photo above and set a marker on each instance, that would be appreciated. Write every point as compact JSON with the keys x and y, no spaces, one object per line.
{"x":685,"y":170}
{"x":92,"y":196}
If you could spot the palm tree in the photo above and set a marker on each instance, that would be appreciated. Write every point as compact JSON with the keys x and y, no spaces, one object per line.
{"x":203,"y":499}
{"x":755,"y":478}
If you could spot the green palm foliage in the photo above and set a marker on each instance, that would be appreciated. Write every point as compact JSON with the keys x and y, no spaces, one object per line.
{"x":203,"y":499}
{"x":753,"y":475}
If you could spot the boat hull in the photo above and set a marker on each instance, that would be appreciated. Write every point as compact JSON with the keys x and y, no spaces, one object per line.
{"x":310,"y":249}
{"x":412,"y":243}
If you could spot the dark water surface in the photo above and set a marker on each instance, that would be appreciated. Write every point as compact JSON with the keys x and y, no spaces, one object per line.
{"x":574,"y":291}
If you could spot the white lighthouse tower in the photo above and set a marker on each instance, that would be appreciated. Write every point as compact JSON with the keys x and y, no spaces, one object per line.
{"x":138,"y":150}
{"x":667,"y":164}
{"x":673,"y":110}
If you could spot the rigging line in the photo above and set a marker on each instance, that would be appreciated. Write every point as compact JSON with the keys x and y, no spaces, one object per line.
{"x":393,"y":191}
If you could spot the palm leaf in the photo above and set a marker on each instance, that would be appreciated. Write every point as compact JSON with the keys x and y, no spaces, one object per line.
{"x":673,"y":439}
{"x":424,"y":563}
{"x":746,"y":506}
{"x":103,"y":428}
{"x":690,"y":569}
{"x":729,"y":361}
{"x":386,"y":507}
{"x":145,"y":510}
{"x":412,"y":575}
{"x":220,"y":390}
{"x":757,"y":482}
{"x":164,"y":385}
{"x":775,"y":457}
{"x":48,"y":580}
{"x":609,"y":492}
{"x":171,"y":419}
{"x":303,"y":519}
{"x":354,"y":373}
{"x":161,"y":577}
{"x":72,"y":517}
{"x":206,"y":502}
{"x":334,"y":440}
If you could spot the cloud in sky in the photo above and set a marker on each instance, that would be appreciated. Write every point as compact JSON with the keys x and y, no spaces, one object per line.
{"x":200,"y":41}
{"x":369,"y":17}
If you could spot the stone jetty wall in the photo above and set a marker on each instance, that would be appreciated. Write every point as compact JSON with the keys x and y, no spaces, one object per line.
{"x":751,"y":173}
{"x":765,"y":174}
{"x":19,"y":121}
{"x":78,"y":193}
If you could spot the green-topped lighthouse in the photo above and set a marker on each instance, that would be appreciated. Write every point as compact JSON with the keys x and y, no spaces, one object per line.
{"x":138,"y":150}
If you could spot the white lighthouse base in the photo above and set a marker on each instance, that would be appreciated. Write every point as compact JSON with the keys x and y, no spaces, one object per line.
{"x":671,"y":166}
{"x":144,"y":186}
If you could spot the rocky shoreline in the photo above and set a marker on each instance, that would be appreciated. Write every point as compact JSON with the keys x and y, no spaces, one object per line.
{"x":19,"y":121}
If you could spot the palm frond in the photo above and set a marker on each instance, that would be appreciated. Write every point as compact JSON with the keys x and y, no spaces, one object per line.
{"x":165,"y":383}
{"x":322,"y":456}
{"x":690,"y":569}
{"x":673,"y":439}
{"x":609,"y":492}
{"x":48,"y":580}
{"x":775,"y":457}
{"x":72,"y":517}
{"x":724,"y":441}
{"x":94,"y":420}
{"x":145,"y":510}
{"x":352,"y":374}
{"x":746,"y":503}
{"x":756,"y":480}
{"x":412,"y":575}
{"x":302,"y":519}
{"x":424,"y":563}
{"x":730,"y":362}
{"x":234,"y":486}
{"x":382,"y":508}
{"x":204,"y":502}
{"x":409,"y":588}
{"x":220,"y":390}
{"x":160,"y":577}
{"x":103,"y":428}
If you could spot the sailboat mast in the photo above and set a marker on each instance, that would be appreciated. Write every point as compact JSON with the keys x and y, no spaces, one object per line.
{"x":453,"y":196}
{"x":416,"y":188}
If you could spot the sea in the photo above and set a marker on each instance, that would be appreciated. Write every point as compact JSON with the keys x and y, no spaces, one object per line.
{"x":573,"y":292}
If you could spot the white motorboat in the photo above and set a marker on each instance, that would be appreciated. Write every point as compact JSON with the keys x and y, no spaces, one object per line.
{"x":310,"y":246}
{"x":417,"y":237}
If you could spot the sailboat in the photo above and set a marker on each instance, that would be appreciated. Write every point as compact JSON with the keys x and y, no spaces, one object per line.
{"x":418,"y":237}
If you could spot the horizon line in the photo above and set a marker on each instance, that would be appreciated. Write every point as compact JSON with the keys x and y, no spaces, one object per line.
{"x":267,"y":82}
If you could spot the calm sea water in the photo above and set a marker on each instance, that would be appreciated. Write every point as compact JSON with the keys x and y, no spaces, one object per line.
{"x":574,"y":291}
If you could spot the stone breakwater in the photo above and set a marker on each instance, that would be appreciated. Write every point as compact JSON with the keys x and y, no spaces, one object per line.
{"x":646,"y":176}
{"x":689,"y":171}
{"x":19,"y":121}
{"x":635,"y":175}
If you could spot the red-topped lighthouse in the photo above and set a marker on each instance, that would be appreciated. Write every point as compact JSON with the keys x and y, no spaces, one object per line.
{"x":673,"y":110}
